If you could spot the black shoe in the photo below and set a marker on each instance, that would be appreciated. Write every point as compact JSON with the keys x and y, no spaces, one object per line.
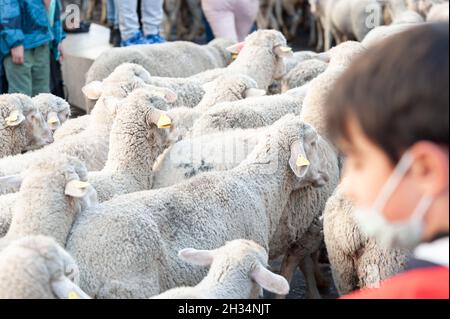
{"x":85,"y":26}
{"x":114,"y":37}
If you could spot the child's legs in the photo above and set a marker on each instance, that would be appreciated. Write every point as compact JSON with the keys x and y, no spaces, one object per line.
{"x":152,"y":15}
{"x":220,"y":16}
{"x":19,"y":75}
{"x":246,"y":13}
{"x":40,"y":70}
{"x":128,"y":18}
{"x":111,"y":12}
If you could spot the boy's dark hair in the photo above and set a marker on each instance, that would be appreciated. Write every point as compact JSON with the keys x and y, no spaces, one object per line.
{"x":397,"y":92}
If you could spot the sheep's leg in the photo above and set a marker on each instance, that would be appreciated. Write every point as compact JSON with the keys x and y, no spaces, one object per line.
{"x":322,"y":282}
{"x":308,"y":270}
{"x":290,"y":262}
{"x":328,"y":38}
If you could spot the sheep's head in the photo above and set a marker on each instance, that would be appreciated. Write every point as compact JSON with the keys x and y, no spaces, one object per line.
{"x":305,"y":160}
{"x":20,"y":113}
{"x":241,"y":256}
{"x":271,"y":41}
{"x":55,"y":109}
{"x":121,"y":82}
{"x":50,"y":263}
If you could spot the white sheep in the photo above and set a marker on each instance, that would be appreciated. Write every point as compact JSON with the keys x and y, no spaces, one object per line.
{"x":238,"y":270}
{"x":381,"y":33}
{"x":92,"y":145}
{"x":302,"y":74}
{"x":346,"y":19}
{"x":22,"y":126}
{"x":137,"y":139}
{"x":250,"y":113}
{"x":55,"y":110}
{"x":53,"y":192}
{"x":36,"y":267}
{"x":356,"y":262}
{"x":173,"y":59}
{"x":118,"y":259}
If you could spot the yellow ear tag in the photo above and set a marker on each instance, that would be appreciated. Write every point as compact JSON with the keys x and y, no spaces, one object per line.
{"x":286,"y":49}
{"x":302,"y":161}
{"x":73,"y":295}
{"x":164,"y":122}
{"x":13,"y":117}
{"x":53,"y":120}
{"x":80,"y":184}
{"x":234,"y":56}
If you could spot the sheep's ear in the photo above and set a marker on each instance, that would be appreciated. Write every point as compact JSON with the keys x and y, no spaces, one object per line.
{"x":254,"y":93}
{"x":93,"y":90}
{"x":299,"y":162}
{"x":237,"y":48}
{"x":283,"y":52}
{"x":14,"y":119}
{"x":53,"y":121}
{"x":63,"y":288}
{"x":167,"y":94}
{"x":270,"y":281}
{"x":197,"y":257}
{"x":77,"y":189}
{"x":160,"y":119}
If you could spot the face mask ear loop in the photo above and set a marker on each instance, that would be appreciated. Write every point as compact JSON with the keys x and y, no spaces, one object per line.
{"x":394,"y":181}
{"x":423,"y":207}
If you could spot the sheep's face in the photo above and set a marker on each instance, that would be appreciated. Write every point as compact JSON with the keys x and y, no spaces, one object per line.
{"x":305,"y":159}
{"x":77,"y":187}
{"x":38,"y":131}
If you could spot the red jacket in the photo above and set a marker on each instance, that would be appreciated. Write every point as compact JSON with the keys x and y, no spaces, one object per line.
{"x":427,"y":283}
{"x":429,"y":279}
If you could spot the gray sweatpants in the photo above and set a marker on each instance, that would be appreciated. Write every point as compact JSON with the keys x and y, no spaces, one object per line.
{"x":152,"y":15}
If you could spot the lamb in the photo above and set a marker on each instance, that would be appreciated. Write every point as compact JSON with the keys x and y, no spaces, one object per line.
{"x":92,"y":145}
{"x":36,"y":267}
{"x":251,"y":113}
{"x":53,"y":192}
{"x":262,"y":57}
{"x":226,"y":206}
{"x":238,"y":271}
{"x":159,"y":59}
{"x":302,"y":74}
{"x":54,"y":109}
{"x":356,"y":262}
{"x":137,"y":139}
{"x":22,"y":126}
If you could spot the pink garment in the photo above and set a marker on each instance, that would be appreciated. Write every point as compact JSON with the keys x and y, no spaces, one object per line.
{"x":231,"y":19}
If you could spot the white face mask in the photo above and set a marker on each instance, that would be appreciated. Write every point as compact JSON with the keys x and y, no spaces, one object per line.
{"x":405,"y":234}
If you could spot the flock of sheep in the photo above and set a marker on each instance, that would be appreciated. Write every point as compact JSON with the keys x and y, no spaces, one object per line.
{"x":184,"y":182}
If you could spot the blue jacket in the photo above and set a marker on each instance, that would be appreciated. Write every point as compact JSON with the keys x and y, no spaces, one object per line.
{"x":26,"y":22}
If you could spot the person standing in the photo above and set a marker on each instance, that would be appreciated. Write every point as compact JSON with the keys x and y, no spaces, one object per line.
{"x":31,"y":29}
{"x":231,"y":19}
{"x":152,"y":15}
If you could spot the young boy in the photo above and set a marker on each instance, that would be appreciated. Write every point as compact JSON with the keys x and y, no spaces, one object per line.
{"x":389,"y":115}
{"x":30,"y":30}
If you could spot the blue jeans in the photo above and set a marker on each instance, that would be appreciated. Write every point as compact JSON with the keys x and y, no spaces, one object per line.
{"x":152,"y":15}
{"x":113,"y":13}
